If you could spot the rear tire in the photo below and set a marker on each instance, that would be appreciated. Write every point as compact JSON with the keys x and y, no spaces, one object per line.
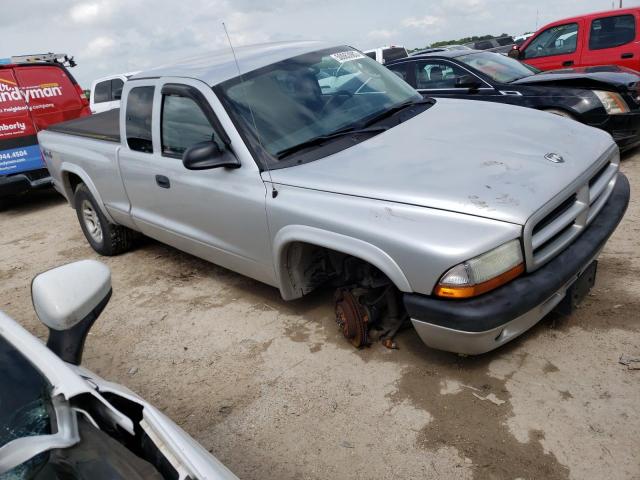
{"x":105,"y":237}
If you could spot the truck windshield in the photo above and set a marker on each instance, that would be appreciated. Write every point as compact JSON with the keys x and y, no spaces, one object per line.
{"x":312,"y":95}
{"x":502,"y":69}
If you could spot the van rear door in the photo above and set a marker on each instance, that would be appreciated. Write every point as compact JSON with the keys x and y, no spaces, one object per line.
{"x":19,"y":151}
{"x":51,"y":94}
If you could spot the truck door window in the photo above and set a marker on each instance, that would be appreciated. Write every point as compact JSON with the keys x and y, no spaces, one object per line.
{"x":610,"y":32}
{"x":183,"y":125}
{"x":116,"y":89}
{"x":559,"y":40}
{"x":102,"y":92}
{"x":139,"y":109}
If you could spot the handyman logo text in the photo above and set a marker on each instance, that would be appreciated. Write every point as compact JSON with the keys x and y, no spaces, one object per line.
{"x":9,"y":93}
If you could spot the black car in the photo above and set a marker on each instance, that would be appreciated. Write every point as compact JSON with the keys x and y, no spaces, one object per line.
{"x":606,"y":97}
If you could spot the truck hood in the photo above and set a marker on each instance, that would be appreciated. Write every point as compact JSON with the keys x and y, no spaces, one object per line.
{"x":477,"y":158}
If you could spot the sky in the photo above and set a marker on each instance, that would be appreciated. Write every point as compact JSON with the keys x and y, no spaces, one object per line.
{"x":116,"y":36}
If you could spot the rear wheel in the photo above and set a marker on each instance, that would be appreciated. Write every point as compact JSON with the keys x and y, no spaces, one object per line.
{"x":105,"y":237}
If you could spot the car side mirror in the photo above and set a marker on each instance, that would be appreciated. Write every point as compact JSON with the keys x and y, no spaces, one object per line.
{"x":207,"y":155}
{"x":515,"y":53}
{"x":68,"y":300}
{"x":468,"y":81}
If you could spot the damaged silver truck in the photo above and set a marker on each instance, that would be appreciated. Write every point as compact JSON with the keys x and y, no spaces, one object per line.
{"x":306,"y":165}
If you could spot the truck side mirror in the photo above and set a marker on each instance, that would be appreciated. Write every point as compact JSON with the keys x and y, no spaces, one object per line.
{"x":68,"y":300}
{"x":207,"y":155}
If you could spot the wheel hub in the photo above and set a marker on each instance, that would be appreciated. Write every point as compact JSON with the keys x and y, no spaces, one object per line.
{"x":352,"y":318}
{"x":91,"y":221}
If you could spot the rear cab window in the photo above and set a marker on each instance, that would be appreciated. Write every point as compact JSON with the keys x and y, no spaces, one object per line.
{"x":138,"y":119}
{"x":102,"y":92}
{"x":611,"y":32}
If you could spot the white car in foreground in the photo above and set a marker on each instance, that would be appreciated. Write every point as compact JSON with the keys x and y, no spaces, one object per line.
{"x":59,"y":420}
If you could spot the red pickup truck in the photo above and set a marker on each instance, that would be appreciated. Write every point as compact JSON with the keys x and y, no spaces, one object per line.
{"x":603,"y":38}
{"x":36,"y":91}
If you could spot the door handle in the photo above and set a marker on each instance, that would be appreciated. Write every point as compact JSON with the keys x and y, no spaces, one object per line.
{"x":568,"y":63}
{"x":162,"y":181}
{"x":626,"y":55}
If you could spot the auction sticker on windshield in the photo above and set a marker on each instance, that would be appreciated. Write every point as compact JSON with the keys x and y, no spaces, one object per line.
{"x":347,"y":56}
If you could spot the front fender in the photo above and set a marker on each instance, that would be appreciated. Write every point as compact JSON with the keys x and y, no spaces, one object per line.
{"x":334,"y":241}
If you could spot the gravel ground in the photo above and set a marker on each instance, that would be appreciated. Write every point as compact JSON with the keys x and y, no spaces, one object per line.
{"x":274,"y":392}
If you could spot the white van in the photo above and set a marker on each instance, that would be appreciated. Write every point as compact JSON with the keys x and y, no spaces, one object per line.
{"x":106,"y":92}
{"x":387,"y":54}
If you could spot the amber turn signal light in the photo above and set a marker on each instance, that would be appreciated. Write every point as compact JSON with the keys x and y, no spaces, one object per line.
{"x":468,"y":291}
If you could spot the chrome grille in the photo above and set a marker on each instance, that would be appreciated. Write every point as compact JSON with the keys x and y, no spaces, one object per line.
{"x":554,"y":227}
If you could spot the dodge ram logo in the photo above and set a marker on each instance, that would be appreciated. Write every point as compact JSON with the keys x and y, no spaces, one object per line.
{"x":554,"y":158}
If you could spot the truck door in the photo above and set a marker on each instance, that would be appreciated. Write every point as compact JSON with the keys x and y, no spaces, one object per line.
{"x":216,"y":214}
{"x":19,"y":151}
{"x":612,"y":41}
{"x":556,"y":47}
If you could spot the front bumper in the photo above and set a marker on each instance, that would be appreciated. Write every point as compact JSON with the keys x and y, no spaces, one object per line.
{"x":624,"y":128}
{"x":23,"y":182}
{"x":481,"y":324}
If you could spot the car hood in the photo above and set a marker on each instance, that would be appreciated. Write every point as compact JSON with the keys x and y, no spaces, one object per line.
{"x":476,"y":158}
{"x":606,"y":76}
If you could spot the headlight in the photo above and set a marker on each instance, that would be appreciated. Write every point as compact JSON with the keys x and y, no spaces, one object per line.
{"x":612,"y":102}
{"x":482,"y":273}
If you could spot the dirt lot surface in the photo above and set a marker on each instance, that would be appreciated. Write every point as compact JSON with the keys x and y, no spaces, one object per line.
{"x":273,"y":390}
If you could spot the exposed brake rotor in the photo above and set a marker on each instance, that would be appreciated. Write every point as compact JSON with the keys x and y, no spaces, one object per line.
{"x":352,"y":318}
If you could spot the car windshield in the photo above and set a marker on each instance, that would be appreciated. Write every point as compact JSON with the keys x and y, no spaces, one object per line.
{"x":24,"y":405}
{"x":500,"y":68}
{"x":316,"y":94}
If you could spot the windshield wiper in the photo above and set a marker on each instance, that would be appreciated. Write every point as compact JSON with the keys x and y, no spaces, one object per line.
{"x":395,"y":109}
{"x":323,"y":138}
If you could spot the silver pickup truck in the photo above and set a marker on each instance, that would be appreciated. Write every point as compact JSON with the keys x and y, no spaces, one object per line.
{"x":317,"y":167}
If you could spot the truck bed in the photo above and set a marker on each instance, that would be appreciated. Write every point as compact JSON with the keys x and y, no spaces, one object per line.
{"x":101,"y":126}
